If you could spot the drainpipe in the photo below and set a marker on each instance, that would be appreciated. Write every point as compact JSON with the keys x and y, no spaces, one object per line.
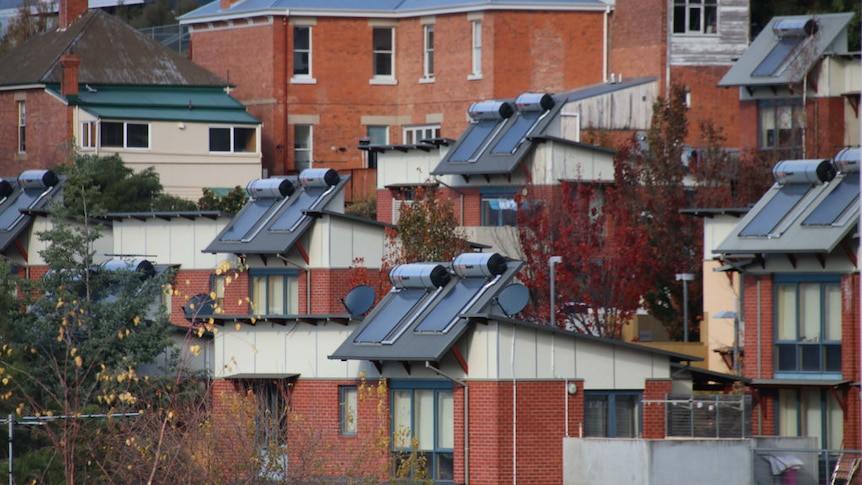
{"x":759,"y":368}
{"x":466,"y":417}
{"x":514,"y":415}
{"x":605,"y":54}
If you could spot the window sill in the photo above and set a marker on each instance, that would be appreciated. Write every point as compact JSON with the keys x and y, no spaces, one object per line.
{"x":383,"y":81}
{"x":474,"y":77}
{"x":303,"y":80}
{"x":427,"y":80}
{"x":21,"y":156}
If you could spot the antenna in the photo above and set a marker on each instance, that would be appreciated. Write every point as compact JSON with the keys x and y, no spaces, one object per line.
{"x":513,"y":299}
{"x":359,"y":300}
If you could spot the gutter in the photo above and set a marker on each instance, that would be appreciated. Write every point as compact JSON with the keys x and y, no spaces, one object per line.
{"x":466,"y":418}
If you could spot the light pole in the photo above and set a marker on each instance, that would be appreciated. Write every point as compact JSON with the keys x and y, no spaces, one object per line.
{"x":685,"y":277}
{"x":553,"y":260}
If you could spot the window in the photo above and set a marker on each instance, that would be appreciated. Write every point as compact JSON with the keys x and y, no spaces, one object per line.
{"x":217,"y":283}
{"x":428,"y":64}
{"x":415,"y":134}
{"x":302,"y":147}
{"x":426,"y":415}
{"x":22,"y":127}
{"x":378,"y":134}
{"x":612,"y":414}
{"x":274,"y":293}
{"x":811,"y":412}
{"x":384,"y":46}
{"x":88,"y":134}
{"x":477,"y":49}
{"x":349,"y":410}
{"x":302,"y":51}
{"x":271,"y":411}
{"x":233,"y":140}
{"x":695,"y":16}
{"x":808,"y":325}
{"x":499,"y":207}
{"x":781,"y":123}
{"x":118,"y":134}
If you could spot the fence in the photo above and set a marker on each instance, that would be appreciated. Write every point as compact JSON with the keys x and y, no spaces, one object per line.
{"x":175,"y":36}
{"x":708,"y":416}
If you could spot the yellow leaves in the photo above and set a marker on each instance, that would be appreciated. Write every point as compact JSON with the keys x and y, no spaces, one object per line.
{"x":5,"y":381}
{"x":200,"y":332}
{"x":20,"y":409}
{"x":238,"y":326}
{"x":59,"y":303}
{"x":136,"y":321}
{"x":120,"y":334}
{"x":74,"y":351}
{"x":195,"y":350}
{"x":79,"y":362}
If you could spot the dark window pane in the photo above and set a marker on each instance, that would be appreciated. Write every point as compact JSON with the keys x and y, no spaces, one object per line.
{"x":382,"y":64}
{"x":382,"y":39}
{"x":596,"y":416}
{"x":679,"y":19}
{"x":786,"y":354}
{"x":445,"y":466}
{"x":832,"y":357}
{"x":111,"y":135}
{"x":300,"y":63}
{"x":301,"y":38}
{"x":219,"y":139}
{"x":625,"y":419}
{"x":137,"y":136}
{"x":694,"y":20}
{"x":244,"y":140}
{"x":810,"y":355}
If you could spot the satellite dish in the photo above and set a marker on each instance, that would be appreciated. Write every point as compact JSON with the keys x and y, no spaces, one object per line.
{"x":200,"y":307}
{"x":359,"y":300}
{"x":513,"y":298}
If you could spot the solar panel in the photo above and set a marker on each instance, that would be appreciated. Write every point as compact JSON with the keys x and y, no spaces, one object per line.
{"x":387,"y":319}
{"x":306,"y":200}
{"x":25,"y":200}
{"x":247,"y":218}
{"x":775,"y":210}
{"x":475,"y":138}
{"x":776,"y":57}
{"x":836,"y":203}
{"x":446,"y":312}
{"x":513,"y":136}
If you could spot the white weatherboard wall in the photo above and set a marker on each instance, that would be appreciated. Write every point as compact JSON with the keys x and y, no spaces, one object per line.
{"x":170,"y":241}
{"x":336,"y":242}
{"x":34,"y":245}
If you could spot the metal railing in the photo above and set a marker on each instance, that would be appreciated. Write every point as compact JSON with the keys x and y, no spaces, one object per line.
{"x":175,"y":37}
{"x":708,"y":416}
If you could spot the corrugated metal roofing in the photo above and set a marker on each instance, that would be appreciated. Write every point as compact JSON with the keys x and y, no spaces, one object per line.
{"x":772,"y":60}
{"x":379,"y":8}
{"x":111,"y":52}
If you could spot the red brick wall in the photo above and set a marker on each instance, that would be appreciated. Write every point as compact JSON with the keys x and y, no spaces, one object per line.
{"x":639,"y":31}
{"x":654,"y":412}
{"x":709,"y":102}
{"x":826,"y":118}
{"x":47,"y":130}
{"x":850,"y":359}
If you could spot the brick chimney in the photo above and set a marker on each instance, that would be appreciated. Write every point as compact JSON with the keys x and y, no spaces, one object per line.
{"x":225,"y":4}
{"x":70,"y":10}
{"x":69,"y":83}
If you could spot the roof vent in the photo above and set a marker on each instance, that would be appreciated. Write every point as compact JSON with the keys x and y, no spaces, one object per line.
{"x":847,"y":160}
{"x":269,"y":188}
{"x":795,"y":28}
{"x":143,"y":266}
{"x":37,"y":179}
{"x":803,"y":171}
{"x":6,"y":189}
{"x":419,"y":275}
{"x":319,"y":177}
{"x":479,"y":265}
{"x":534,"y":102}
{"x":490,"y":110}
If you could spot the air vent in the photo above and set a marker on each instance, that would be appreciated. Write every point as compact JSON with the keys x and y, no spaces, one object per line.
{"x":490,"y":110}
{"x":534,"y":102}
{"x":419,"y":275}
{"x":479,"y":265}
{"x":272,"y":188}
{"x":37,"y":179}
{"x":803,"y":171}
{"x":319,"y":177}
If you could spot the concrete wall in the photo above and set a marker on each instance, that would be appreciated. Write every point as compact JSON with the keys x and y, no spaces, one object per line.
{"x":683,"y":462}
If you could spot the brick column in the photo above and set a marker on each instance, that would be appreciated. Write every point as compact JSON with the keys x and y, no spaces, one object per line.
{"x":654,"y":412}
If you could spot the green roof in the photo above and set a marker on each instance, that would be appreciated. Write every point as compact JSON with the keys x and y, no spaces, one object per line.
{"x":172,"y":103}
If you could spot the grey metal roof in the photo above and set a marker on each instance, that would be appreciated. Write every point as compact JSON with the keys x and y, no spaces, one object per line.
{"x":775,"y":58}
{"x":478,"y":151}
{"x":17,"y":208}
{"x":272,"y":225}
{"x":379,"y":8}
{"x":433,"y":308}
{"x":799,"y":217}
{"x":166,"y":215}
{"x":111,"y":52}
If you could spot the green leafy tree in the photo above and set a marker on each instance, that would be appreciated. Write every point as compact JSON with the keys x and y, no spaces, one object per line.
{"x":232,"y":202}
{"x":427,"y":230}
{"x":33,"y":18}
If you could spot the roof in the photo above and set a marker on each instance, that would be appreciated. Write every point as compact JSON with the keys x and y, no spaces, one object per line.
{"x":111,"y":52}
{"x":379,"y":8}
{"x":788,"y":48}
{"x":31,"y":190}
{"x":502,"y":132}
{"x":166,"y":215}
{"x":277,"y":213}
{"x":163,"y":103}
{"x":811,"y":208}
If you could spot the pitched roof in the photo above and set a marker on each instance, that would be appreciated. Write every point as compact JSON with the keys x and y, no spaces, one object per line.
{"x":810,"y":209}
{"x":278,"y":212}
{"x":788,"y":48}
{"x":31,"y":191}
{"x":379,"y":8}
{"x":111,"y":52}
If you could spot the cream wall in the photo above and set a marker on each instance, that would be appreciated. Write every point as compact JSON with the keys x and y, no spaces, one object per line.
{"x":335,"y":243}
{"x":34,"y":245}
{"x":170,"y":241}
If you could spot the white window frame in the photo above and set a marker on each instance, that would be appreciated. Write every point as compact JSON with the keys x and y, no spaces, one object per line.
{"x":383,"y":78}
{"x":476,"y":50}
{"x":232,"y":141}
{"x":274,"y":292}
{"x":708,"y":24}
{"x":125,"y":145}
{"x":22,"y":127}
{"x":89,"y":135}
{"x":428,"y":53}
{"x":303,"y":78}
{"x":349,"y":410}
{"x":412,"y":134}
{"x":308,"y":148}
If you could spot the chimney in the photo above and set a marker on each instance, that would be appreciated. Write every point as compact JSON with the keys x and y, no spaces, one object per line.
{"x":69,"y":83}
{"x":225,"y":4}
{"x":70,"y":10}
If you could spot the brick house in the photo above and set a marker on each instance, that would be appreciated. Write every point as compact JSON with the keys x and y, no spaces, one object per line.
{"x":98,"y":81}
{"x":796,"y":256}
{"x":798,"y":88}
